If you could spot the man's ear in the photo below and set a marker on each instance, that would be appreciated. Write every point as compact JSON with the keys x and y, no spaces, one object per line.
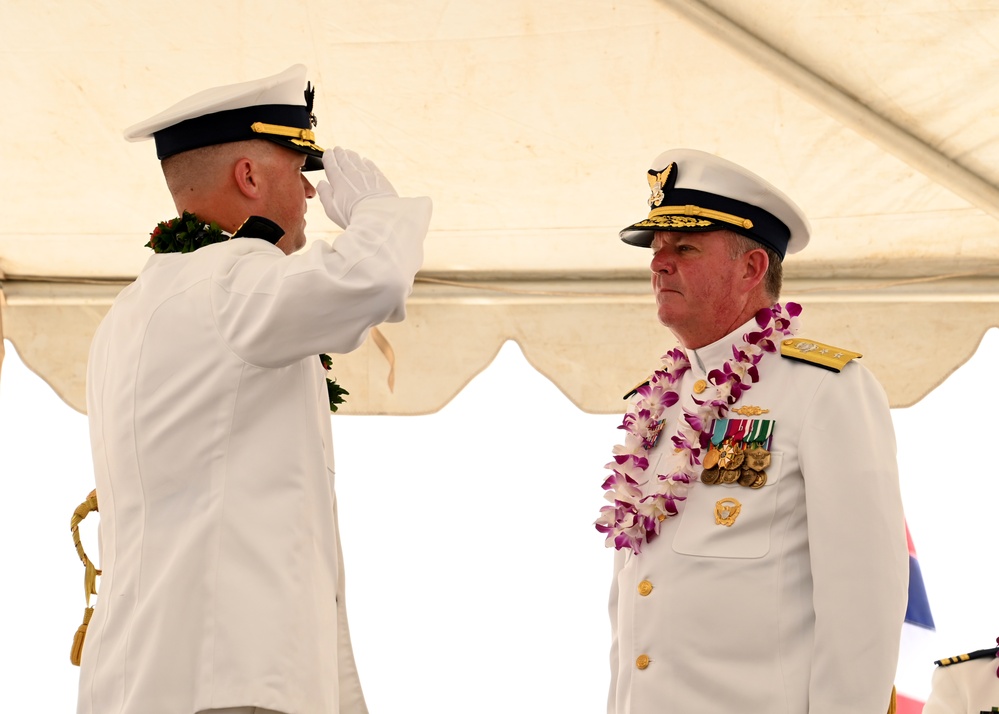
{"x":247,"y":177}
{"x":757,"y":262}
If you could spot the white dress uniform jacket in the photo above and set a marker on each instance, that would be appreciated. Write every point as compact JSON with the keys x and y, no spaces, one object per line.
{"x":798,"y":606}
{"x":222,"y":576}
{"x":964,"y":688}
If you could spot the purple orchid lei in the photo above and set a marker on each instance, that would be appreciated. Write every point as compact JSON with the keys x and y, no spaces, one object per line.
{"x":640,"y":503}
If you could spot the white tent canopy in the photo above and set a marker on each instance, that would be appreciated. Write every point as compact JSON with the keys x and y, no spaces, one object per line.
{"x":531,"y":124}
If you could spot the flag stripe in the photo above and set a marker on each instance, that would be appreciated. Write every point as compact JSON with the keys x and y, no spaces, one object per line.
{"x":917,"y":610}
{"x":917,"y":652}
{"x":904,"y":705}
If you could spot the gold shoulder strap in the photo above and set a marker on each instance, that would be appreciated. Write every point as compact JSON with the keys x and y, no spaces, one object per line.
{"x":821,"y":355}
{"x":634,"y":390}
{"x":89,"y":575}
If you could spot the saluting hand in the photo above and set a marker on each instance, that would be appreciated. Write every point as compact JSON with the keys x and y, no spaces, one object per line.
{"x":350,"y":179}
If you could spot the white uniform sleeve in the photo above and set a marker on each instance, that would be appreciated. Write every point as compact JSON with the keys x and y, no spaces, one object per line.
{"x":272,"y":309}
{"x":944,"y":696}
{"x":857,"y":546}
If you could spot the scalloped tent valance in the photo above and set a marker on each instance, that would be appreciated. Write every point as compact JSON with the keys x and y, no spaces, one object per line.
{"x":531,"y":124}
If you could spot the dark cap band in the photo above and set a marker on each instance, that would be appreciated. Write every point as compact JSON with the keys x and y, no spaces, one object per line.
{"x":691,"y":210}
{"x":237,"y":125}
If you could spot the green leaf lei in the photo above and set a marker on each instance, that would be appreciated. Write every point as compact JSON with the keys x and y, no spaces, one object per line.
{"x":336,"y":392}
{"x":184,"y":234}
{"x":187,"y":233}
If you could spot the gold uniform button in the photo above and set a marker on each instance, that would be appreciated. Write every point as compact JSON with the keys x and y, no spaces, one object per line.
{"x":642,"y":662}
{"x":644,"y":587}
{"x":699,"y":386}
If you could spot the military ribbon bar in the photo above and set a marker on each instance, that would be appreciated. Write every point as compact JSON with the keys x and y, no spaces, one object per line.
{"x":760,"y":431}
{"x":718,"y":431}
{"x":737,"y":429}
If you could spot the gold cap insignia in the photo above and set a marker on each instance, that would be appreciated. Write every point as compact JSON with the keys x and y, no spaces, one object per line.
{"x":661,"y":182}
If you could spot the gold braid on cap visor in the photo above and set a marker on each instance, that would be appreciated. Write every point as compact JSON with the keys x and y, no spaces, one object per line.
{"x":302,"y":137}
{"x":689,"y":210}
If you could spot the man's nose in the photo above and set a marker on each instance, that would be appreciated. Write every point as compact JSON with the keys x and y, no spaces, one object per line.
{"x":660,"y":264}
{"x":310,"y":190}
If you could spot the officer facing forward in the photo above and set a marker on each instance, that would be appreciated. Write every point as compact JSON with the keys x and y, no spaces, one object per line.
{"x":223,"y":584}
{"x":761,"y":561}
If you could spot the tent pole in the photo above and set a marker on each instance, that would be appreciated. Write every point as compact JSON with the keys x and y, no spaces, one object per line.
{"x":3,"y":304}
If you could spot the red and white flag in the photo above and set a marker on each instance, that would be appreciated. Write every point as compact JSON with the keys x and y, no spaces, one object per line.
{"x":915,"y":659}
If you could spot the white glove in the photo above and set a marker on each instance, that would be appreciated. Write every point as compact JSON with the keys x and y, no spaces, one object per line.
{"x":351,"y":179}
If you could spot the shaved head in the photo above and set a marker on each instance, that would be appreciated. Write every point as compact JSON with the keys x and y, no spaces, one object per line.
{"x":227,"y":183}
{"x":205,"y":170}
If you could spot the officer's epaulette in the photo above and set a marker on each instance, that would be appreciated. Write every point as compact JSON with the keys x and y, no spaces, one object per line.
{"x":825,"y":356}
{"x":977,"y":654}
{"x":634,"y":390}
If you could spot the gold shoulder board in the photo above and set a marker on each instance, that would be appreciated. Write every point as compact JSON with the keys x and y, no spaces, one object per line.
{"x":947,"y":661}
{"x":825,"y":356}
{"x":635,"y":389}
{"x":977,"y":654}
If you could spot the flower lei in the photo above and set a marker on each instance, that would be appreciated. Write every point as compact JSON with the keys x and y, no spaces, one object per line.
{"x":639,"y":503}
{"x":186,"y":234}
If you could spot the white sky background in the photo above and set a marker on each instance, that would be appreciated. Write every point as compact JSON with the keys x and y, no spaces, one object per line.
{"x":473,"y":571}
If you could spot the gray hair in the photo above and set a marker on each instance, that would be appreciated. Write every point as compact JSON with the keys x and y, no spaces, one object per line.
{"x":773,"y":281}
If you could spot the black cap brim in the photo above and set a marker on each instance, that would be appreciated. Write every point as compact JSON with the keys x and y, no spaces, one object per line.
{"x":313,"y":154}
{"x":641,"y":234}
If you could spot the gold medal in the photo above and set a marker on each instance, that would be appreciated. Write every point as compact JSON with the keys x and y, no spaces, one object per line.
{"x":738,"y":458}
{"x":730,"y":475}
{"x":725,"y":455}
{"x":711,"y":458}
{"x":761,"y":480}
{"x":757,"y":458}
{"x":731,"y":456}
{"x":747,"y":476}
{"x":710,"y":476}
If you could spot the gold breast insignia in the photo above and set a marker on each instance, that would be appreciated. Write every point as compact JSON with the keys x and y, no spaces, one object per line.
{"x":751,"y":411}
{"x":726,"y":511}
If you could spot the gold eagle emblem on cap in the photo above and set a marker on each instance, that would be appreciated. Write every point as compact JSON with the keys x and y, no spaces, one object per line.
{"x":659,"y":182}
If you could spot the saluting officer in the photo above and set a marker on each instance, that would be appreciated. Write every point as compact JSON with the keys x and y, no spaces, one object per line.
{"x":223,"y":584}
{"x":761,"y":561}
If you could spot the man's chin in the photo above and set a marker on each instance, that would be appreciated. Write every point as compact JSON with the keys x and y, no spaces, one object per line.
{"x":665,"y":318}
{"x":291,"y":243}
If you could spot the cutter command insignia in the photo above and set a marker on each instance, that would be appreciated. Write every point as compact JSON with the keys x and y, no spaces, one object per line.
{"x":825,"y":356}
